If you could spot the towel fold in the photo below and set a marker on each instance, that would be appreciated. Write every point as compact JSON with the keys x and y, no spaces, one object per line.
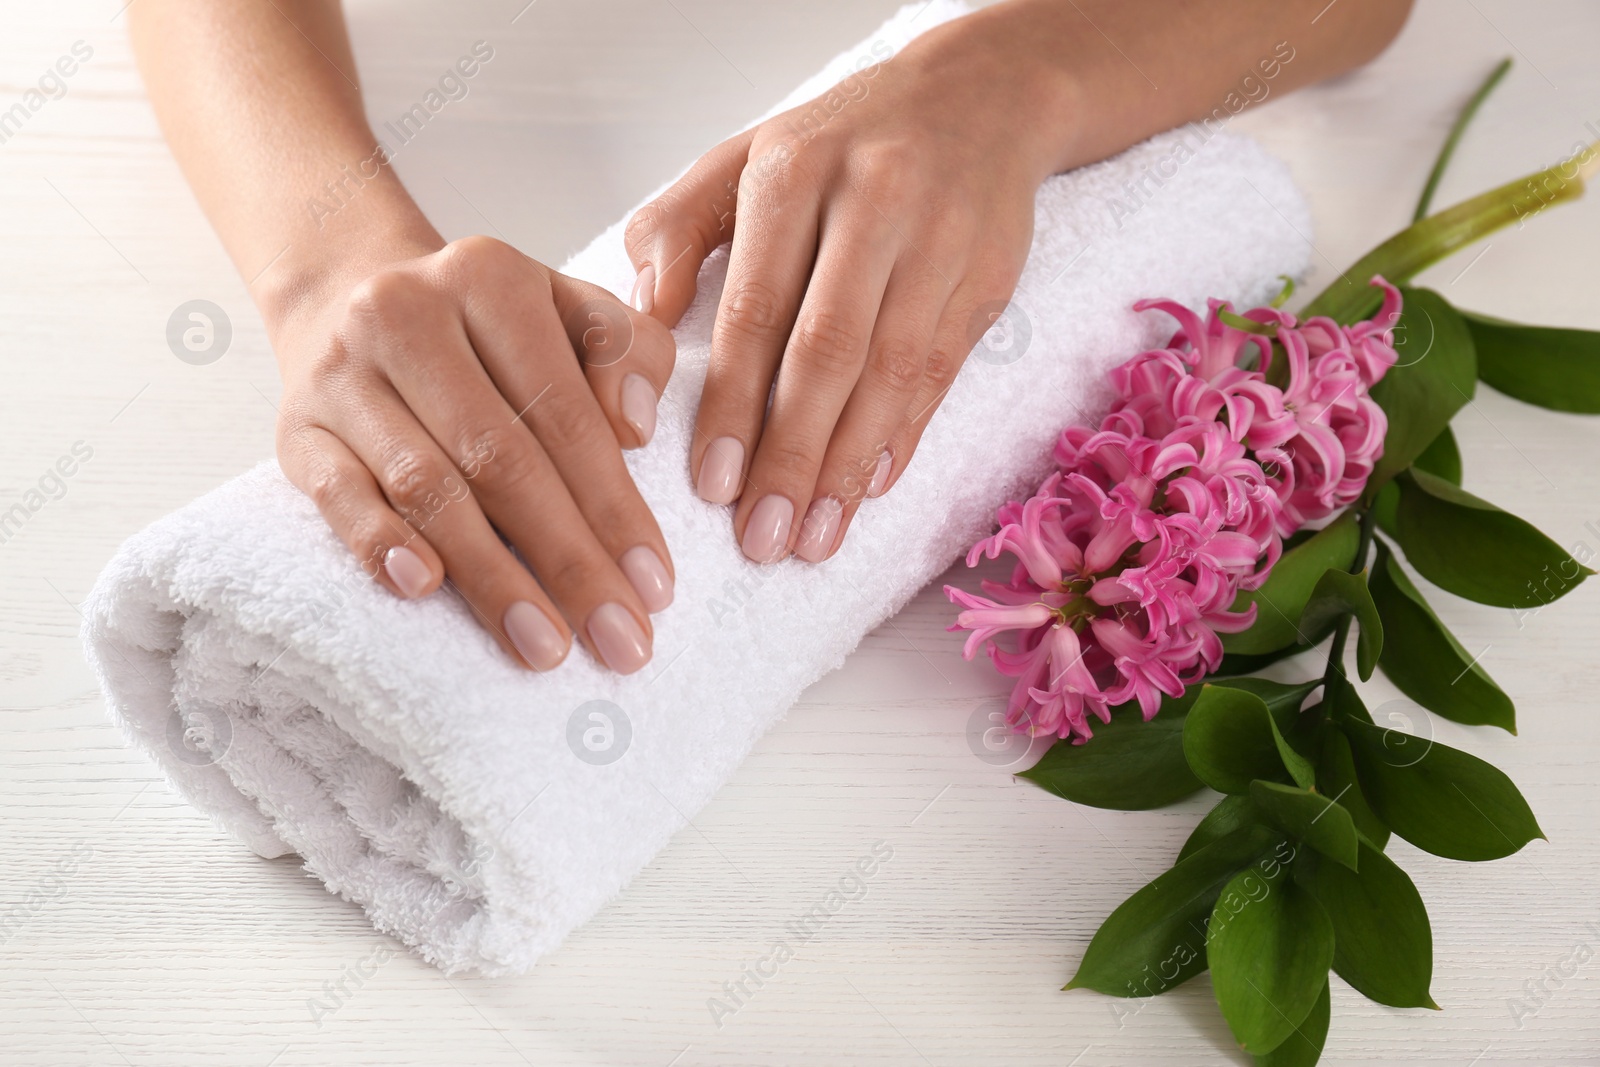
{"x":480,"y":812}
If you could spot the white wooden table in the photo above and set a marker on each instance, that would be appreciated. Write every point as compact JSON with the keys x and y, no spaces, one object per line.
{"x":156,"y":940}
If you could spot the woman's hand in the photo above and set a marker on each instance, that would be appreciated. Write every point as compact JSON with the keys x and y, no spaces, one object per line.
{"x":879,"y":230}
{"x":877,"y":233}
{"x":452,"y":397}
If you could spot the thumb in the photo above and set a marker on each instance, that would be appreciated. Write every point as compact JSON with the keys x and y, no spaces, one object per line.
{"x":671,"y":236}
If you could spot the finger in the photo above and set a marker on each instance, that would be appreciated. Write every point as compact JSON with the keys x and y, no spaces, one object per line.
{"x":821,"y":367}
{"x":388,"y":548}
{"x":555,"y":461}
{"x":627,"y":356}
{"x":422,"y":483}
{"x":890,"y":381}
{"x":671,"y":236}
{"x":767,"y":271}
{"x":960,"y":328}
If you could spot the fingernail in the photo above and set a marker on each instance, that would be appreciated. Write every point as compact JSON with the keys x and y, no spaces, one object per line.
{"x":721,"y":469}
{"x":648,"y":576}
{"x":535,"y":636}
{"x":407,"y":571}
{"x":639,"y":406}
{"x":766,"y":535}
{"x":880,"y":476}
{"x":617,"y":636}
{"x":816,"y":532}
{"x":644,"y":290}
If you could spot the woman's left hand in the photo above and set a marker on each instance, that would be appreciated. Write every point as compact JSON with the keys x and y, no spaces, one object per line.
{"x":877,"y":232}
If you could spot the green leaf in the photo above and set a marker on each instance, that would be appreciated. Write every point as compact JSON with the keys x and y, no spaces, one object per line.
{"x":1231,"y":814}
{"x":1440,"y":799}
{"x":1341,"y":593}
{"x":1435,"y":377}
{"x":1229,"y":741}
{"x":1336,"y":778}
{"x":1129,"y":764}
{"x":1237,"y":664}
{"x":1383,"y":943}
{"x":1299,"y":767}
{"x":1384,"y":507}
{"x":1156,"y":939}
{"x":1270,"y":945}
{"x":1303,"y":1047}
{"x":1425,"y":661}
{"x":1283,"y":699}
{"x":1545,"y":365}
{"x":1442,"y":457}
{"x":1349,"y":299}
{"x":1473,"y":549}
{"x":1282,"y":598}
{"x":1311,"y":817}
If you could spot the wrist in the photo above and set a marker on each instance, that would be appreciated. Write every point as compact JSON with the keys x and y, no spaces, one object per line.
{"x":1017,"y":55}
{"x":327,"y":257}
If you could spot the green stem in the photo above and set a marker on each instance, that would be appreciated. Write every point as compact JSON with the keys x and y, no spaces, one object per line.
{"x":1399,"y":259}
{"x":1456,"y":131}
{"x":1334,"y":676}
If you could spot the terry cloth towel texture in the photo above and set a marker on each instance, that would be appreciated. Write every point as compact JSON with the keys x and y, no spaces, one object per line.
{"x":467,"y":804}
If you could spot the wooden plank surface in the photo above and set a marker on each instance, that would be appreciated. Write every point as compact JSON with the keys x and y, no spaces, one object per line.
{"x":160,"y":941}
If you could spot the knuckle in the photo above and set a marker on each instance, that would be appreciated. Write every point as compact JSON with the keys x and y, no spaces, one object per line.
{"x":477,"y":258}
{"x":888,"y":172}
{"x":384,"y":297}
{"x":565,"y":424}
{"x":900,"y":363}
{"x":940,"y":367}
{"x":828,"y":338}
{"x":647,"y":222}
{"x":412,"y":478}
{"x":498,"y":459}
{"x":325,"y":488}
{"x":755,"y":308}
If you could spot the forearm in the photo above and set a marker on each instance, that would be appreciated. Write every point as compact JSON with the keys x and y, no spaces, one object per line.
{"x":1108,"y":73}
{"x":259,"y":102}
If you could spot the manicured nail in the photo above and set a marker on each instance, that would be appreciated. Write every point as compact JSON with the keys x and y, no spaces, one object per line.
{"x":644,"y":290}
{"x":407,"y":571}
{"x":617,"y":636}
{"x":766,"y":535}
{"x":880,"y":476}
{"x":648,"y":576}
{"x":639,"y":406}
{"x":535,"y":636}
{"x":721,"y":470}
{"x":816,"y":532}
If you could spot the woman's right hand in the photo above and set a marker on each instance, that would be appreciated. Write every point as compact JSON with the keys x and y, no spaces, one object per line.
{"x":459,"y":391}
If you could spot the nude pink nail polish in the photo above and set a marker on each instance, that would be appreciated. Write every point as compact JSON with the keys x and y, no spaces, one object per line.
{"x":407,"y":571}
{"x":818,"y":529}
{"x":648,"y":576}
{"x":534,"y":635}
{"x":880,"y":475}
{"x":638,"y":403}
{"x":766,"y":534}
{"x":721,"y":471}
{"x":618,"y":638}
{"x":643,"y":297}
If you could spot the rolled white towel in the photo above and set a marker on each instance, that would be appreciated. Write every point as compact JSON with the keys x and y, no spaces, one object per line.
{"x":481,"y":812}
